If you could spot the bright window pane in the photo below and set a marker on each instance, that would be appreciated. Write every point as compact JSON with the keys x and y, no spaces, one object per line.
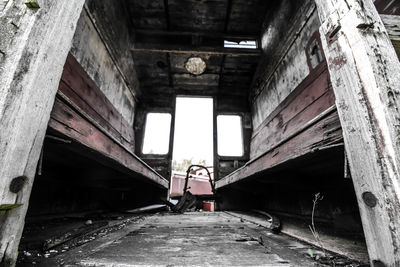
{"x":156,"y":135}
{"x":230,"y":140}
{"x":241,"y":44}
{"x":193,"y":138}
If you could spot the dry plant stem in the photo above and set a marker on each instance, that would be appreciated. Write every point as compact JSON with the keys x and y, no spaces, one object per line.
{"x":314,"y":231}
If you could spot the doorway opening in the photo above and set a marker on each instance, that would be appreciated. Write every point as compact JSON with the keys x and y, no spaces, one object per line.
{"x":193,"y":144}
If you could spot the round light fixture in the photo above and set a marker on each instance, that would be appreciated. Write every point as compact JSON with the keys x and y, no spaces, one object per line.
{"x":195,"y":65}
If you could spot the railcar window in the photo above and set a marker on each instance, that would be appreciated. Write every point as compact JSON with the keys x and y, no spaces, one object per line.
{"x":156,"y":135}
{"x":230,"y":137}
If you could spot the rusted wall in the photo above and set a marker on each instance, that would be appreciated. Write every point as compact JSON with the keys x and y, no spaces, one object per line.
{"x":104,"y":67}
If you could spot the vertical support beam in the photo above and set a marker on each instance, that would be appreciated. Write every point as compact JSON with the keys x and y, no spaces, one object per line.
{"x":34,"y":43}
{"x":215,"y":138}
{"x":171,"y":138}
{"x":365,"y":74}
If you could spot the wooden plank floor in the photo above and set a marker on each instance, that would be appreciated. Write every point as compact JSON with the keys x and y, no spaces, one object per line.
{"x":190,"y":239}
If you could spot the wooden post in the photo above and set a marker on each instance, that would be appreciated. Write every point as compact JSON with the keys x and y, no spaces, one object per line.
{"x":35,"y":37}
{"x":365,"y":74}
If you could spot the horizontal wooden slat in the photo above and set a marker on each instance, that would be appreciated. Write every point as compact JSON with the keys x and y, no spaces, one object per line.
{"x":307,"y":101}
{"x":321,"y":134}
{"x":204,"y":34}
{"x":68,"y":122}
{"x":81,"y":89}
{"x":165,"y":48}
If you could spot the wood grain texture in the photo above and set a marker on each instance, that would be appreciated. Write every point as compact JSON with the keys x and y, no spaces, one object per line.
{"x":392,"y":25}
{"x":34,"y":53}
{"x":283,"y":65}
{"x":387,"y":7}
{"x":96,"y":57}
{"x":177,"y":49}
{"x":310,"y":98}
{"x":68,"y":122}
{"x":112,"y":22}
{"x":318,"y":135}
{"x":81,"y":89}
{"x":365,"y":73}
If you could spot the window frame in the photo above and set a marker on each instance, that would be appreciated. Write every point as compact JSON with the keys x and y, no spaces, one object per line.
{"x":228,"y":157}
{"x":238,"y":45}
{"x":144,"y":133}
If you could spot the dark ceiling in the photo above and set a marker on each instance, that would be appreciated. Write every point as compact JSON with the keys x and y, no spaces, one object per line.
{"x":169,"y":32}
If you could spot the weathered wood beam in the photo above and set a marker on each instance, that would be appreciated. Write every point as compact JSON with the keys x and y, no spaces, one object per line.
{"x":170,"y":78}
{"x":317,"y":134}
{"x":228,"y":16}
{"x":77,"y":86}
{"x":365,"y":74}
{"x":166,"y":11}
{"x":176,"y":49}
{"x":213,"y":35}
{"x":69,"y":122}
{"x":392,"y":25}
{"x":34,"y":45}
{"x":313,"y":96}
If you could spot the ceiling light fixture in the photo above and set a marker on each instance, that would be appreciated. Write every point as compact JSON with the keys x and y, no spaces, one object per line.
{"x":195,"y":65}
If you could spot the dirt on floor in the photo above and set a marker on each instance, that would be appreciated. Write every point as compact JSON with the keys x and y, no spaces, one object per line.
{"x":167,"y":239}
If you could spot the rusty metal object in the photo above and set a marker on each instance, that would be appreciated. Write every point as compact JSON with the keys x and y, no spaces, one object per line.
{"x":188,"y":176}
{"x":188,"y":200}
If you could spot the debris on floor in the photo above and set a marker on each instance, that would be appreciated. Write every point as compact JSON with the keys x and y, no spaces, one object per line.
{"x":166,"y":239}
{"x":260,"y":217}
{"x":187,"y":201}
{"x":150,"y":208}
{"x":46,"y":239}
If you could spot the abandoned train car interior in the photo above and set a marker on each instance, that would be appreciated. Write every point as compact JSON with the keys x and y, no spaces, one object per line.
{"x":200,"y":133}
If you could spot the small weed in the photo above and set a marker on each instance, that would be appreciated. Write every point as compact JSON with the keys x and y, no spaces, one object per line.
{"x":317,"y":197}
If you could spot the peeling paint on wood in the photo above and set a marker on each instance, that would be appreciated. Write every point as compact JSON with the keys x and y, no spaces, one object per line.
{"x":35,"y":46}
{"x":68,"y":122}
{"x":319,"y":134}
{"x":90,"y":51}
{"x":307,"y":101}
{"x":83,"y":92}
{"x":280,"y":72}
{"x":366,"y":90}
